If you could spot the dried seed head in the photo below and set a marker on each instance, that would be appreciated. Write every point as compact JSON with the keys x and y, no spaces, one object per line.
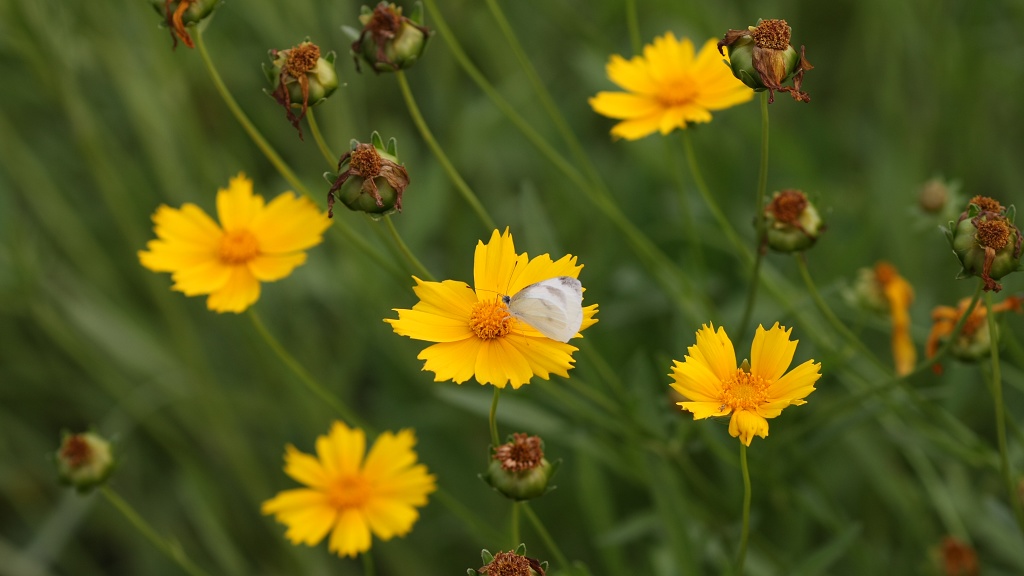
{"x":524,"y":452}
{"x":987,"y":204}
{"x":773,"y":34}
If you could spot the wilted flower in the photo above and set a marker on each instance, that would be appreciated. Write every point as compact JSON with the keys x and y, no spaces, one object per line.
{"x":180,"y":13}
{"x":762,"y":58}
{"x":301,"y":78}
{"x":388,"y":40}
{"x":84,"y":460}
{"x":958,"y":558}
{"x":755,"y":391}
{"x":793,"y":223}
{"x":986,"y":241}
{"x":373,"y":181}
{"x":509,"y":564}
{"x":518,"y":468}
{"x":667,"y":88}
{"x":899,"y":294}
{"x":974,"y":341}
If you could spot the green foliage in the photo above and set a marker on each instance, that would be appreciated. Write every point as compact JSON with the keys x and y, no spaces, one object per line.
{"x":101,"y":122}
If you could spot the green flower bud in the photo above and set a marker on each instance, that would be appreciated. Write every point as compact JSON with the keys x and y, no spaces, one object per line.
{"x":866,"y":293}
{"x":792,"y":222}
{"x":986,"y":241}
{"x":180,"y":13}
{"x":84,"y":460}
{"x":372,"y":180}
{"x":388,"y":40}
{"x":518,"y":468}
{"x":509,"y":564}
{"x":301,"y":78}
{"x":762,"y":58}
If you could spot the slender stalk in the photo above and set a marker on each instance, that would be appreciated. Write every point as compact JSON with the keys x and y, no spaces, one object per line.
{"x":332,"y":160}
{"x":493,"y":420}
{"x":744,"y":535}
{"x":516,"y":537}
{"x":282,"y":168}
{"x":696,"y":263}
{"x":633,"y":24}
{"x":545,"y":536}
{"x":304,"y":376}
{"x":414,"y":262}
{"x":709,"y":199}
{"x":997,"y":394}
{"x":171,"y":550}
{"x":762,"y":183}
{"x":428,"y":136}
{"x":368,"y":569}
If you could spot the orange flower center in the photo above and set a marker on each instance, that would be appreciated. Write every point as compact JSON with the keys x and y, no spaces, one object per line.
{"x":745,"y":391}
{"x":349,"y":492}
{"x":993,"y":234}
{"x":238,"y":247}
{"x":490,"y":320}
{"x":677,"y":92}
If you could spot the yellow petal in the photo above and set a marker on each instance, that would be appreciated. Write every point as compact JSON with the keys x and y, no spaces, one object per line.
{"x":499,"y":363}
{"x":631,"y":75}
{"x":430,"y":327}
{"x":341,"y":450}
{"x":453,"y":361}
{"x":696,"y":382}
{"x":351,"y":535}
{"x":189,"y":226}
{"x":494,"y":264}
{"x":388,"y":518}
{"x":797,"y":384}
{"x":167,"y":256}
{"x":289,"y":224}
{"x":237,"y":205}
{"x":304,"y":468}
{"x":745,"y":425}
{"x":715,"y":350}
{"x":772,"y":352}
{"x":703,"y":410}
{"x":270,"y":268}
{"x":307,"y":513}
{"x":240,"y":292}
{"x":390,"y":454}
{"x":295,"y":499}
{"x":622,"y":105}
{"x":637,"y":128}
{"x":204,"y":278}
{"x":409,"y":486}
{"x":450,"y":299}
{"x":544,"y":356}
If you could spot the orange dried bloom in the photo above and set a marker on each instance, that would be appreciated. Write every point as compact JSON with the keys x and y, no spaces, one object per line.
{"x":945,"y":319}
{"x":958,"y":559}
{"x":899,"y":294}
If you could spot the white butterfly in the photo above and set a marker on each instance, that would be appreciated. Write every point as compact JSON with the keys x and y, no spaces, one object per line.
{"x":553,"y":306}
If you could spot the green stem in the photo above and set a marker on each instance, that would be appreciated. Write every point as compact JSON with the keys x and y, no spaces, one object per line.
{"x":417,"y":266}
{"x":709,"y":199}
{"x":493,"y":420}
{"x":332,"y":160}
{"x":428,"y":136}
{"x":690,"y":227}
{"x":282,"y":168}
{"x":304,"y":376}
{"x":744,"y":535}
{"x":762,"y":184}
{"x":368,"y":569}
{"x":171,"y":550}
{"x":516,"y":537}
{"x":997,"y":393}
{"x":633,"y":24}
{"x":545,"y":536}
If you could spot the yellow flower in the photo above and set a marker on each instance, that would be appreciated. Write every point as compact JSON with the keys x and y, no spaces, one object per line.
{"x":255,"y":243}
{"x":349,"y":496}
{"x":667,"y":87}
{"x":475,"y":335}
{"x":755,"y":391}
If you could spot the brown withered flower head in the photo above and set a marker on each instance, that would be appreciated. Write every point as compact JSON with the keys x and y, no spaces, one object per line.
{"x":986,"y":241}
{"x":372,"y":180}
{"x":762,"y":58}
{"x":177,"y":14}
{"x":522,"y":453}
{"x":793,"y":223}
{"x":390,"y":41}
{"x":510,"y":564}
{"x":518,"y":468}
{"x":958,"y":558}
{"x":301,"y":78}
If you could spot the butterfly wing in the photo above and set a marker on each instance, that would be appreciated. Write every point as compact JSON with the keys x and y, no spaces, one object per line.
{"x":554,"y":307}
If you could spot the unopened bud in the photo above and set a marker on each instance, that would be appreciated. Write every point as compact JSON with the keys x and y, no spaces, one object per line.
{"x":84,"y":460}
{"x":518,"y":468}
{"x":762,"y":58}
{"x":301,"y":78}
{"x":178,"y":14}
{"x":792,"y":222}
{"x":390,"y":41}
{"x":369,"y":179}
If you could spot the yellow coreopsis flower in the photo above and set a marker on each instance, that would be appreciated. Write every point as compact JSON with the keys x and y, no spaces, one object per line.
{"x":254,"y":243}
{"x":475,"y":335}
{"x":668,"y":87}
{"x":351,"y":496}
{"x":753,"y":392}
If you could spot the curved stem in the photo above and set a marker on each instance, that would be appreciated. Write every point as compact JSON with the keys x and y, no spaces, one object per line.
{"x":516,"y":538}
{"x":709,"y":199}
{"x":493,"y":420}
{"x":304,"y":376}
{"x":762,"y":184}
{"x":417,"y":266}
{"x":332,"y":160}
{"x":997,"y":394}
{"x":545,"y":536}
{"x":170,"y":549}
{"x":428,"y":136}
{"x":282,"y":168}
{"x":744,"y":535}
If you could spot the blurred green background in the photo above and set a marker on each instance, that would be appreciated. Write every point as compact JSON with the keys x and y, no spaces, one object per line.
{"x":101,"y":122}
